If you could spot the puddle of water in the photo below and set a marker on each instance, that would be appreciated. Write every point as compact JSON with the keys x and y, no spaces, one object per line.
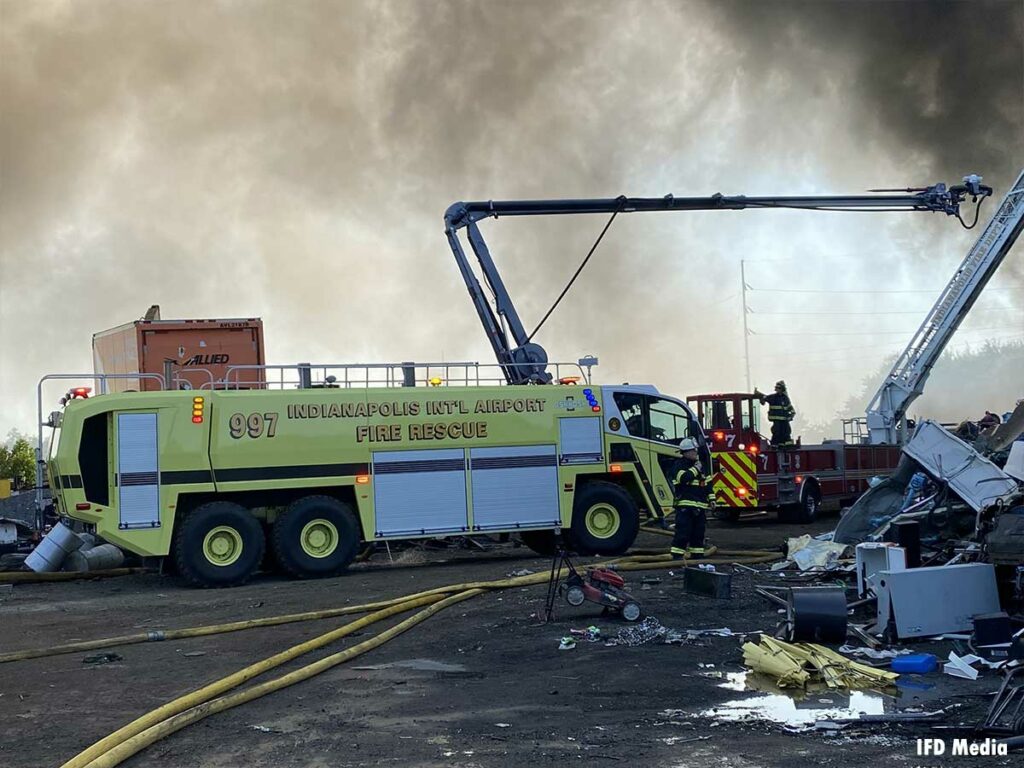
{"x":797,"y":709}
{"x":421,"y":665}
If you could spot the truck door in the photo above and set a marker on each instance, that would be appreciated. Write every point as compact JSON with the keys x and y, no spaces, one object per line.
{"x":655,"y":425}
{"x":670,"y":423}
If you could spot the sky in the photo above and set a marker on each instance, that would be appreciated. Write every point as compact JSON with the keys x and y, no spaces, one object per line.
{"x":293,"y":161}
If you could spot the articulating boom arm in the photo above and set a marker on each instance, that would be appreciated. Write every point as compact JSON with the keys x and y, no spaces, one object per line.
{"x":524,"y":361}
{"x":907,"y":378}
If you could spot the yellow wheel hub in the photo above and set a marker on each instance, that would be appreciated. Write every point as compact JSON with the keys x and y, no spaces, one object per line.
{"x":602,"y":520}
{"x":319,"y":538}
{"x":223,"y":545}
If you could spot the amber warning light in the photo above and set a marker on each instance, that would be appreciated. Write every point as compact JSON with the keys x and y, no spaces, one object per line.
{"x":198,"y":405}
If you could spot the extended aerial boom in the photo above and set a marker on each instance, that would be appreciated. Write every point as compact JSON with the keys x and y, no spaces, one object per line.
{"x":906,"y":380}
{"x":525,"y":361}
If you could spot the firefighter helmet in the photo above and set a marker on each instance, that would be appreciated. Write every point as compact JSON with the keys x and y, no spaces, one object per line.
{"x":687,"y":444}
{"x":780,"y":386}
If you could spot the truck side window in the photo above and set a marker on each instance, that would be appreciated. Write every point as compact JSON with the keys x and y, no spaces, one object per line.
{"x":750,"y":414}
{"x":631,"y":406}
{"x":670,"y":422}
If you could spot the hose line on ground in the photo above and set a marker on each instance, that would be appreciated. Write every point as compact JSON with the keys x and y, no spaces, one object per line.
{"x":200,"y":631}
{"x":115,"y":755}
{"x":629,"y":563}
{"x":175,"y":715}
{"x":235,"y":679}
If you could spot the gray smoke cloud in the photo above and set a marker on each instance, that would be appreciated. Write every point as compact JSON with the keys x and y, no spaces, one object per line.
{"x":293,"y":161}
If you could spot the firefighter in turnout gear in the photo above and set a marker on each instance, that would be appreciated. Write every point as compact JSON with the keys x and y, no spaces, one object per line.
{"x":780,"y":414}
{"x":694,"y":496}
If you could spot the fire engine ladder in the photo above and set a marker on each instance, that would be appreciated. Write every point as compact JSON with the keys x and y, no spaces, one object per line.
{"x":906,"y":380}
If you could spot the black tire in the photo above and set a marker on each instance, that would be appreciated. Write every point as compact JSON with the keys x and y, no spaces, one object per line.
{"x":614,"y":506}
{"x":544,"y":543}
{"x":316,"y":536}
{"x":810,"y":506}
{"x":218,"y":530}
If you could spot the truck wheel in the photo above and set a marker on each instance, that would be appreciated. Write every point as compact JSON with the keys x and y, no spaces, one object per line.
{"x":544,"y":543}
{"x":809,"y":507}
{"x":219,"y":544}
{"x":605,"y":520}
{"x":316,"y":536}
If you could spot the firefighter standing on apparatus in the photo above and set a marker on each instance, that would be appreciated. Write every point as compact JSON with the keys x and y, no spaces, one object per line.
{"x":780,"y":414}
{"x":695,"y":495}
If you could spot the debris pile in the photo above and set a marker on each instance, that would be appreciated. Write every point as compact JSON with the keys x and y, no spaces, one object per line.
{"x":795,"y":665}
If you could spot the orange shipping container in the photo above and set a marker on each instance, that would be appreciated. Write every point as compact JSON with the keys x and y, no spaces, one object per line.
{"x":199,"y":351}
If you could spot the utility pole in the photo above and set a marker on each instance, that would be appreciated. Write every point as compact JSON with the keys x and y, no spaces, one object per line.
{"x":746,"y":336}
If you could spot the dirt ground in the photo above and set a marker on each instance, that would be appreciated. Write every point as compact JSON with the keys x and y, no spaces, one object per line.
{"x":481,"y":684}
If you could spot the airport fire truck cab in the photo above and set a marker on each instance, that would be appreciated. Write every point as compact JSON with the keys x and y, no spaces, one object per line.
{"x":315,"y":470}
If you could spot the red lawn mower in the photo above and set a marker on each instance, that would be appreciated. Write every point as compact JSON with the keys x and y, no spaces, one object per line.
{"x":597,"y":585}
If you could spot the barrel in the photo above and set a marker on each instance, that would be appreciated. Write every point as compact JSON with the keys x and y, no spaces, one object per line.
{"x":53,"y":549}
{"x":99,"y":558}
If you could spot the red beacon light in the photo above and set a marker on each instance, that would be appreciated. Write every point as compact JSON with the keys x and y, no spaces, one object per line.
{"x":74,"y":394}
{"x":719,"y":435}
{"x":569,"y":380}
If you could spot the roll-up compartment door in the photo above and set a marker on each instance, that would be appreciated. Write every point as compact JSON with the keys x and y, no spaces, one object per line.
{"x":515,"y":487}
{"x":580,"y":440}
{"x":420,"y":492}
{"x":138,"y":471}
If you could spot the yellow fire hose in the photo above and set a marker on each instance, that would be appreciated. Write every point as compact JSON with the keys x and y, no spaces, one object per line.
{"x":629,"y":563}
{"x":237,"y":678}
{"x":200,"y":631}
{"x":171,"y":717}
{"x":194,"y":707}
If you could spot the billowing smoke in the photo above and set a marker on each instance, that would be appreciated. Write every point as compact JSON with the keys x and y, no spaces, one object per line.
{"x":293,"y":160}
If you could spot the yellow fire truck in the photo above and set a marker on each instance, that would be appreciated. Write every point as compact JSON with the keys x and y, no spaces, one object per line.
{"x":314,"y":470}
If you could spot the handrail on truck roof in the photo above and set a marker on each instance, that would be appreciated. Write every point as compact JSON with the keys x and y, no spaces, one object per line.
{"x":386,"y":375}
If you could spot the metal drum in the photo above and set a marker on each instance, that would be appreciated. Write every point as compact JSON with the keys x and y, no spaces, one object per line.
{"x":817,"y":614}
{"x":53,"y":549}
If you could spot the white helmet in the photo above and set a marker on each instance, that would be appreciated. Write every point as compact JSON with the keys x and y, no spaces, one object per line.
{"x":687,"y":444}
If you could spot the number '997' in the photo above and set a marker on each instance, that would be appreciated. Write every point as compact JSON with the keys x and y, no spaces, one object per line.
{"x":253,"y":425}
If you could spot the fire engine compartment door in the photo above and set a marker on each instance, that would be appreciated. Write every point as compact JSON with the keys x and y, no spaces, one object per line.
{"x":138,"y":471}
{"x":514,"y":487}
{"x":420,"y":492}
{"x":581,"y":440}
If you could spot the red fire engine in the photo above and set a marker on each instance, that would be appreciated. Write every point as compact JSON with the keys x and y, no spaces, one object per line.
{"x":752,"y":476}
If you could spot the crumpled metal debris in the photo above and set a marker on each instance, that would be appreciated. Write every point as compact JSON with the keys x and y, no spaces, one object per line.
{"x":650,"y":630}
{"x":794,"y":665}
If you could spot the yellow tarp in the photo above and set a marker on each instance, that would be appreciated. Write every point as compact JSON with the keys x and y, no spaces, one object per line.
{"x":794,"y":665}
